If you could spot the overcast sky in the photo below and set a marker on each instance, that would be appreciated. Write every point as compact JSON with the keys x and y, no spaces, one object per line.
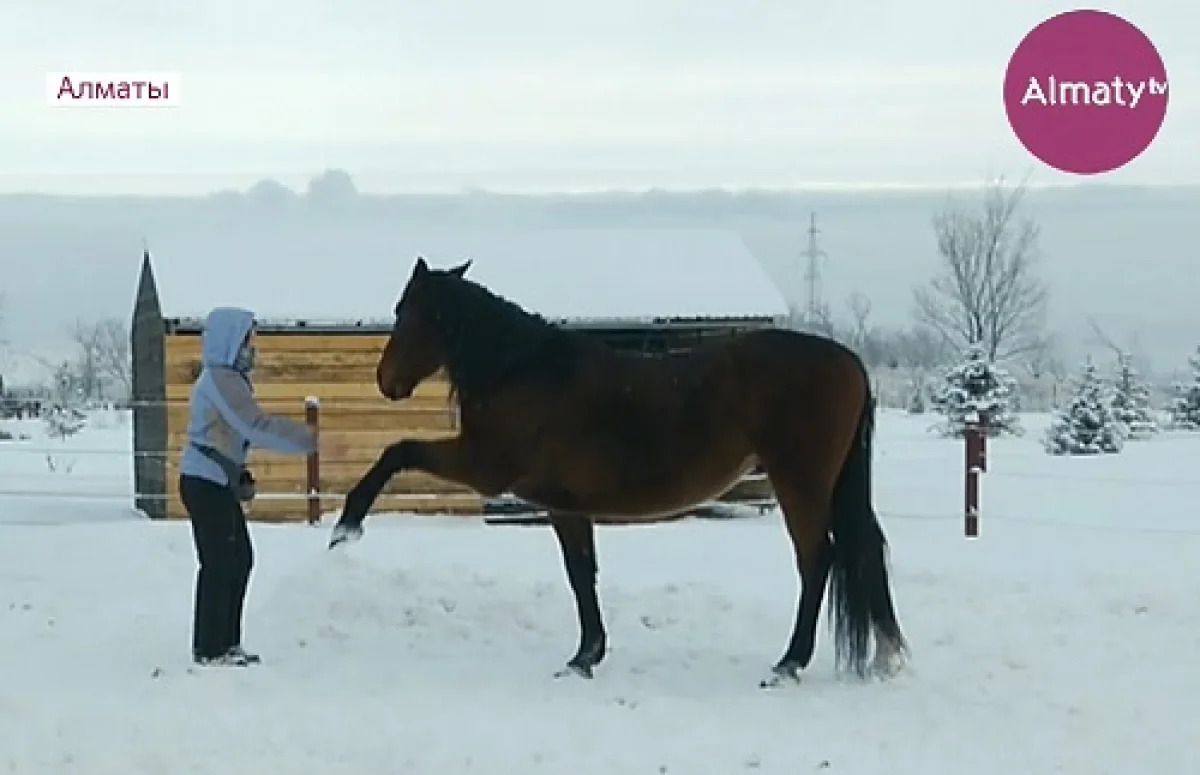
{"x":535,"y":94}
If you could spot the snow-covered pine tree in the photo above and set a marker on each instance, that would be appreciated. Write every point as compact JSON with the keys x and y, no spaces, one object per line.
{"x":1185,"y":408}
{"x":1087,"y":425}
{"x":1131,"y":400}
{"x":63,"y":421}
{"x":977,"y":390}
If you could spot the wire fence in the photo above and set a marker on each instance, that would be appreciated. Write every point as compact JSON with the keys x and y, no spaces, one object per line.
{"x":351,"y":403}
{"x":886,"y":515}
{"x":88,"y":486}
{"x":78,"y":494}
{"x":1138,"y":481}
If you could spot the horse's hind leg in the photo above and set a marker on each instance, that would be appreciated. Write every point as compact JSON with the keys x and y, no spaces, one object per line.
{"x":806,"y":515}
{"x":577,"y":538}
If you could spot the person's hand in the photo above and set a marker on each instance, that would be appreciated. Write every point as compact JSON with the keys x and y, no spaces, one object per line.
{"x":246,"y":487}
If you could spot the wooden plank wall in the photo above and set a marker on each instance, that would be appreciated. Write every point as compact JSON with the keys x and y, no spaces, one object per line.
{"x":339,"y":369}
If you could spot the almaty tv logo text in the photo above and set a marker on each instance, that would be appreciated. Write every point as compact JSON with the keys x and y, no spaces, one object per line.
{"x":1086,"y":92}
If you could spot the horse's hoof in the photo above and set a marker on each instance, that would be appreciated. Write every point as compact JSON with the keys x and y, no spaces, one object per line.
{"x":886,"y":669}
{"x":781,"y":675}
{"x":345,"y":533}
{"x":577,"y":669}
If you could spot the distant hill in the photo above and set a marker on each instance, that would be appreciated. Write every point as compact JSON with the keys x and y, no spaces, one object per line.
{"x":1124,"y":255}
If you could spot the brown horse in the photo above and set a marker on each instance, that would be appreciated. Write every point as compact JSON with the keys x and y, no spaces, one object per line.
{"x":563,"y":421}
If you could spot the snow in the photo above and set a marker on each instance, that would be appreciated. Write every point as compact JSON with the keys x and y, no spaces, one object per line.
{"x":1063,"y":640}
{"x":562,"y":274}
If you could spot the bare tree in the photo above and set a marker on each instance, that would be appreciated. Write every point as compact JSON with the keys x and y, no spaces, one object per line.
{"x":860,"y":315}
{"x":6,"y":349}
{"x":1101,"y":337}
{"x":3,"y":338}
{"x":920,"y":347}
{"x":103,"y":357}
{"x":873,"y":343}
{"x":1039,"y":359}
{"x":986,"y":290}
{"x":1131,"y":352}
{"x":4,"y":354}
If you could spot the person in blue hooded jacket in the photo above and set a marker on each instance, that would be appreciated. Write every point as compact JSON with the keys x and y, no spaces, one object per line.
{"x":225,"y":422}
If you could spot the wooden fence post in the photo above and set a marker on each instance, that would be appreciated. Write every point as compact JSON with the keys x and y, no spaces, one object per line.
{"x":975,"y":446}
{"x":312,"y":485}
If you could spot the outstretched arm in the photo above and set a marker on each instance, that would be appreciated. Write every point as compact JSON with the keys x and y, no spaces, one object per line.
{"x":234,"y":400}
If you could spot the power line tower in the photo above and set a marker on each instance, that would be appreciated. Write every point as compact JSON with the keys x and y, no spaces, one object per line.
{"x":814,"y":313}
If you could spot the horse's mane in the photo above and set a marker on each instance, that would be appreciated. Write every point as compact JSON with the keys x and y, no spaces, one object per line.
{"x":487,"y":339}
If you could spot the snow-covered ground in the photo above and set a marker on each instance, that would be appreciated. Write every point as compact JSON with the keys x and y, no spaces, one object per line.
{"x":1065,"y":640}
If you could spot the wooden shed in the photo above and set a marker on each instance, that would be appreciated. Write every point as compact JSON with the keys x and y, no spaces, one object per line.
{"x":320,"y":338}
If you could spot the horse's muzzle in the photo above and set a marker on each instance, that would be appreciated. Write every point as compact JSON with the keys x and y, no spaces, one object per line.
{"x":392,"y":393}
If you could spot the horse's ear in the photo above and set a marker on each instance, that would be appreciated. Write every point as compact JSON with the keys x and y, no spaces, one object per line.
{"x":461,"y":269}
{"x":421,"y":268}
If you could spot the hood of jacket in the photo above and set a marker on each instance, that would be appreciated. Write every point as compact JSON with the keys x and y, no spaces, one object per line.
{"x":225,"y":331}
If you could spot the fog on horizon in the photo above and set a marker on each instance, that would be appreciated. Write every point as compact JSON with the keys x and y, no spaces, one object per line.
{"x":535,"y":96}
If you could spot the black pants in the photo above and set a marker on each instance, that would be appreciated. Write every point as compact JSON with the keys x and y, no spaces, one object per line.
{"x":226,"y":558}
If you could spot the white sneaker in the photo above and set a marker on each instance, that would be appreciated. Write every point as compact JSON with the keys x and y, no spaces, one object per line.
{"x":229,"y":659}
{"x":240,"y":653}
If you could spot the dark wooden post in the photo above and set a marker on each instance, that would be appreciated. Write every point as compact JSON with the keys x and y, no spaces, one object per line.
{"x":975,"y":464}
{"x":312,"y":416}
{"x":981,"y":458}
{"x":148,"y":396}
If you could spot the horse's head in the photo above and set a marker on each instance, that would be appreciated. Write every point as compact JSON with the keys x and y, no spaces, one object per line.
{"x":414,"y":350}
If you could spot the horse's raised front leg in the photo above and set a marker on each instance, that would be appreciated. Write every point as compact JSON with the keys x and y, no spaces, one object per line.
{"x":450,"y":459}
{"x":577,"y":538}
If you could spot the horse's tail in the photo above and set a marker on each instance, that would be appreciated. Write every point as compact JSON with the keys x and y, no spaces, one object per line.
{"x":859,"y":587}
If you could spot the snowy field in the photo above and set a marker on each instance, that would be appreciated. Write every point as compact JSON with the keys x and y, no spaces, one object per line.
{"x":1065,"y":640}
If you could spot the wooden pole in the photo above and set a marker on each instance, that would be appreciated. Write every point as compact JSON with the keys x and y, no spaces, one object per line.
{"x":981,"y":451}
{"x":974,"y":465}
{"x":312,"y":485}
{"x":147,"y":347}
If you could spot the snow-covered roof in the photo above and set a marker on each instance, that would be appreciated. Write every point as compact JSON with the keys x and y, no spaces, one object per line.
{"x":345,"y":274}
{"x":21,"y":369}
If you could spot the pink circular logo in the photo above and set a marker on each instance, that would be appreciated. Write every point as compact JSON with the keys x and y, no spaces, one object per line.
{"x":1085,"y":92}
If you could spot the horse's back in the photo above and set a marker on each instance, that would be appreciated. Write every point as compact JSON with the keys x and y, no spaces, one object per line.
{"x":719,"y":395}
{"x":772,"y":364}
{"x":716,"y":376}
{"x":800,"y":349}
{"x":643,"y":435}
